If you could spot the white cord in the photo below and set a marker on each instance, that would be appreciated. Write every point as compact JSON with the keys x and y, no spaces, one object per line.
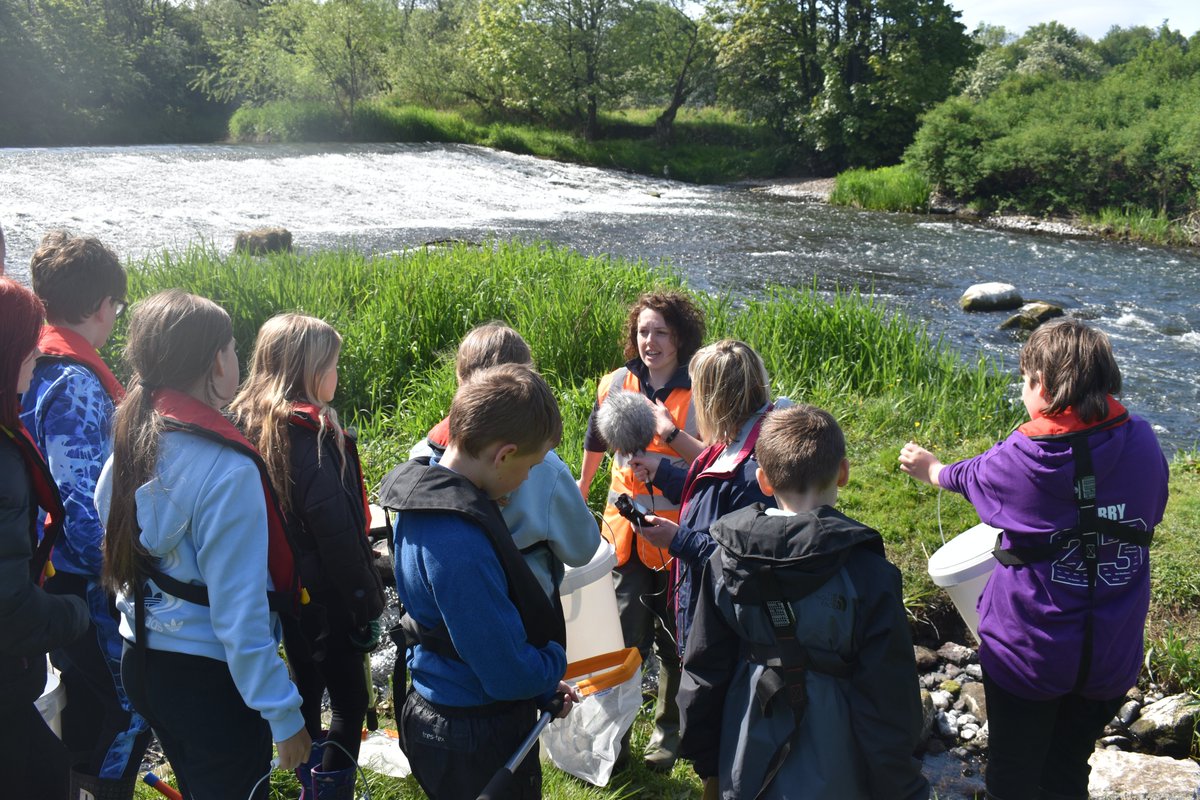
{"x":939,"y":515}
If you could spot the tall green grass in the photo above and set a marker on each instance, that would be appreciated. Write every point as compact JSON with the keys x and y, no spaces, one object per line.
{"x":1144,"y":225}
{"x":401,"y":316}
{"x":896,"y":188}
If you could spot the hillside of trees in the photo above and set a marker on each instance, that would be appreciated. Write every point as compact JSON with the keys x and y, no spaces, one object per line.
{"x":839,"y":82}
{"x":1047,"y":121}
{"x":1052,"y":122}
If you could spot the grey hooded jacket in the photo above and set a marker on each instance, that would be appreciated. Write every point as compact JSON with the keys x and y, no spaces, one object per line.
{"x":863,"y":719}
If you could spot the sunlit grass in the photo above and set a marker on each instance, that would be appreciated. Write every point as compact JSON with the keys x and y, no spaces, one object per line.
{"x":896,"y":188}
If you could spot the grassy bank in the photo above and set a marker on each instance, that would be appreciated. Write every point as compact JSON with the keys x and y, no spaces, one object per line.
{"x":903,"y":188}
{"x":885,"y":189}
{"x":886,"y":381}
{"x":709,"y":146}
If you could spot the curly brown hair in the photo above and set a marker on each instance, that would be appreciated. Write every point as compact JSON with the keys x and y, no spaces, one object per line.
{"x":683,"y":317}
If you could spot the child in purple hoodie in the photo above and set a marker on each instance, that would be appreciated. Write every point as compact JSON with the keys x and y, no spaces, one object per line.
{"x":1061,"y":620}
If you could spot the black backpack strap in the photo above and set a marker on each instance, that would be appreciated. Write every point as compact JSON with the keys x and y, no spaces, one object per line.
{"x":1089,"y":544}
{"x":786,"y":670}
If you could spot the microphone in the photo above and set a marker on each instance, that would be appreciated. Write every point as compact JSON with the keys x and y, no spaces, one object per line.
{"x":626,"y":421}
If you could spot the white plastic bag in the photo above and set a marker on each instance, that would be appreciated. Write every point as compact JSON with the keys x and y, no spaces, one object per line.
{"x":380,"y":752}
{"x":586,"y":743}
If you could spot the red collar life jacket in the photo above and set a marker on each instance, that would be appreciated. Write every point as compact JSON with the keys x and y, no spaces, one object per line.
{"x":308,"y":415}
{"x":1067,"y":424}
{"x":706,"y":464}
{"x":45,"y":493}
{"x":181,"y":412}
{"x":64,"y":344}
{"x":439,"y":435}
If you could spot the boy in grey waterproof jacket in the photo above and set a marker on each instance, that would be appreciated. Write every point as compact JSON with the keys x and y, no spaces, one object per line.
{"x":799,"y":678}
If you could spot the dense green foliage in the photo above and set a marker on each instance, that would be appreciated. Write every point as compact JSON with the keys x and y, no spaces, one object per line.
{"x":87,"y":72}
{"x":1061,"y":130}
{"x":846,"y":78}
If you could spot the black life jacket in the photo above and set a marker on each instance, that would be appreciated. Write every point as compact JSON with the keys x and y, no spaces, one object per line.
{"x":417,"y":487}
{"x":45,"y":494}
{"x":774,"y":584}
{"x":1090,"y":527}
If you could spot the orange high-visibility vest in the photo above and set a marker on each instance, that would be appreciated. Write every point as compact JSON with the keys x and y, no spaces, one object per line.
{"x":616,"y":529}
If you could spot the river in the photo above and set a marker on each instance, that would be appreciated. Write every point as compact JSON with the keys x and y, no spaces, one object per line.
{"x":141,"y":200}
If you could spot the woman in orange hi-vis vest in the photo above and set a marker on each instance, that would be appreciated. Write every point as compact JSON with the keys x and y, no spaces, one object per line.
{"x":663,"y":330}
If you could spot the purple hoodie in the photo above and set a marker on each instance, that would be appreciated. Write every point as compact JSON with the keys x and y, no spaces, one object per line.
{"x":1032,"y":618}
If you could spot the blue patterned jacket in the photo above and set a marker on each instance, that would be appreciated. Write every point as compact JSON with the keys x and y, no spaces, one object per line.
{"x":70,"y":416}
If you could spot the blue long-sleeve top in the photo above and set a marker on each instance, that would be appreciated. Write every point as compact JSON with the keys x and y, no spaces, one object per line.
{"x":203,"y":517}
{"x":447,"y":571}
{"x":70,"y":416}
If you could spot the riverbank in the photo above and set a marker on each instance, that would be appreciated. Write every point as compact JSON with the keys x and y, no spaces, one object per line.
{"x":819,"y":190}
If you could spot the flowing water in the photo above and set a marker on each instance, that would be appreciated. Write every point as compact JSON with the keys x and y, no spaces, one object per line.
{"x":388,"y":197}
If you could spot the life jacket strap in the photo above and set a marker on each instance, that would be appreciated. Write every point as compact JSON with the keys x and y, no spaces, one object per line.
{"x":787,"y":664}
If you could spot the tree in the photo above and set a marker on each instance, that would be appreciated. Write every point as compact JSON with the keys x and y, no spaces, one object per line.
{"x":847,"y":79}
{"x":667,"y":55}
{"x":334,"y":50}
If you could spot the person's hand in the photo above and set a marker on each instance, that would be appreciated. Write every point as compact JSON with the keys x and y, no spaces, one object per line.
{"x":920,"y":463}
{"x":664,"y":423}
{"x":659,"y":531}
{"x":583,"y":488}
{"x":366,"y":638}
{"x":294,"y":750}
{"x":645,"y":466}
{"x":570,"y":696}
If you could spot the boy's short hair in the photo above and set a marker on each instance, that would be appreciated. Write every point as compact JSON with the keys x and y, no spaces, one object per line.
{"x":73,"y":275}
{"x":800,"y":448}
{"x":488,"y":345}
{"x":1075,"y":365}
{"x":508,"y":403}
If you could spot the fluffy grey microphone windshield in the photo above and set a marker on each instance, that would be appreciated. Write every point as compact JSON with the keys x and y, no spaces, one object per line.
{"x":626,"y":421}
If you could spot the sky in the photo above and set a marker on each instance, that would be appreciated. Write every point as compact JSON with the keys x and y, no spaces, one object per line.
{"x":1092,"y":18}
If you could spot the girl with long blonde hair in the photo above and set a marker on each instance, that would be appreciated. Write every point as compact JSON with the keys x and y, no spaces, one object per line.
{"x":284,"y":408}
{"x":732,"y":394}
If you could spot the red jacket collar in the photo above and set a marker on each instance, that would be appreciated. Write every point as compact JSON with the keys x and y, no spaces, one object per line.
{"x":203,"y":419}
{"x":65,"y":343}
{"x":1068,"y":422}
{"x":440,"y":434}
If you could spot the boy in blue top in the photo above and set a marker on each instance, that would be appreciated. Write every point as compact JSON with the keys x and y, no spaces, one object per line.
{"x":69,"y":410}
{"x":484,"y":644}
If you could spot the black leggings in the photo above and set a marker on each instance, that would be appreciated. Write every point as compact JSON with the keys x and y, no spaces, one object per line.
{"x":218,"y":747}
{"x":1042,"y":745}
{"x":342,"y":673}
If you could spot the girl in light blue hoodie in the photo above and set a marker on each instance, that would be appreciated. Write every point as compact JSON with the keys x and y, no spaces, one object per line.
{"x":194,"y":549}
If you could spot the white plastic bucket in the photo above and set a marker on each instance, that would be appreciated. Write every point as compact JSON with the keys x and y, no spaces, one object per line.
{"x":52,"y":702}
{"x":962,"y":567}
{"x":590,"y":607}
